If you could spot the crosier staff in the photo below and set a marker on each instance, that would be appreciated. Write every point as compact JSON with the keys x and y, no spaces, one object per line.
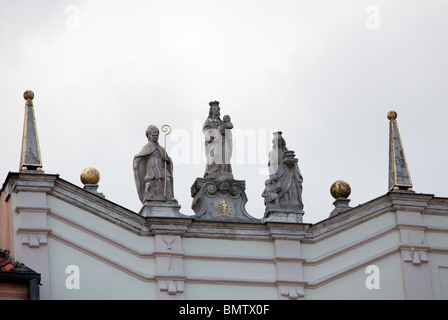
{"x":165,"y":128}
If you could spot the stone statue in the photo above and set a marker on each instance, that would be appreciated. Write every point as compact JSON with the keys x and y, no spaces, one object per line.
{"x":271,"y":192}
{"x":150,"y":166}
{"x":283,"y":191}
{"x":218,"y":144}
{"x":218,"y":196}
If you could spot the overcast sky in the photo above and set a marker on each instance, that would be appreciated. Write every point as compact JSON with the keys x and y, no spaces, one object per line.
{"x":325,"y":73}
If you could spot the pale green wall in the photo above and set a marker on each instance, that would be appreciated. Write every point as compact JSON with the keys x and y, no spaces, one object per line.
{"x":438,"y":266}
{"x":194,"y":291}
{"x":436,"y":239}
{"x":228,"y":247}
{"x":235,"y":266}
{"x":100,"y":224}
{"x":353,"y":285}
{"x":104,"y":248}
{"x":435,"y":220}
{"x":230,"y":269}
{"x":344,"y":238}
{"x":345,"y":260}
{"x":98,"y":280}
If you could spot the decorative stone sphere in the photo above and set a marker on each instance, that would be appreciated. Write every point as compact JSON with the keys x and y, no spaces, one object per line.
{"x":392,"y":115}
{"x":90,"y":176}
{"x":340,"y":189}
{"x":28,"y":95}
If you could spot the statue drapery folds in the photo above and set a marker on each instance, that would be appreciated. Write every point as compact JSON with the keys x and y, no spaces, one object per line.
{"x":153,"y":170}
{"x":284,"y":187}
{"x":218,"y":144}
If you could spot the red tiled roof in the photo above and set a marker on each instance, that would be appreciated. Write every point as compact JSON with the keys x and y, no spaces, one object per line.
{"x":6,"y":265}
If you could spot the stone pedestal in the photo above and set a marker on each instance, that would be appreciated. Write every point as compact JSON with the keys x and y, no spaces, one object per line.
{"x":278,"y":214}
{"x":340,"y":205}
{"x":93,"y":188}
{"x":161,"y":209}
{"x":220,"y":200}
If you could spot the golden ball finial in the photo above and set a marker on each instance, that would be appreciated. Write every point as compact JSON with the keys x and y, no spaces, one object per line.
{"x":340,"y":189}
{"x":90,"y":175}
{"x":392,"y":115}
{"x":28,"y":95}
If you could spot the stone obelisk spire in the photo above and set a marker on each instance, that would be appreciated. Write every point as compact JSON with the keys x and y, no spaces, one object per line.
{"x":30,"y":158}
{"x":399,"y":176}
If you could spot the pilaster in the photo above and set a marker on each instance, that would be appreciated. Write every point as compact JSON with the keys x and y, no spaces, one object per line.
{"x":288,"y":261}
{"x":288,"y":258}
{"x":170,"y":275}
{"x":416,"y":273}
{"x":32,"y":229}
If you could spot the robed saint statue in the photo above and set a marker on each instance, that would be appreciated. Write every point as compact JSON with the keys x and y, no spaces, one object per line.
{"x":153,"y":170}
{"x":284,"y":187}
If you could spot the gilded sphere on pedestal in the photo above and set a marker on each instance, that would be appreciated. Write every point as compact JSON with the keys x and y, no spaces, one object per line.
{"x":28,"y":95}
{"x":392,"y":115}
{"x":90,"y":176}
{"x":340,"y":189}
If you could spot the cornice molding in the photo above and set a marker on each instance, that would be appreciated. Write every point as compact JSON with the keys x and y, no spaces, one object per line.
{"x":189,"y":227}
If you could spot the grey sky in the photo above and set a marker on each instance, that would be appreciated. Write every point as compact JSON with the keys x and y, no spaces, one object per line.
{"x":325,"y":73}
